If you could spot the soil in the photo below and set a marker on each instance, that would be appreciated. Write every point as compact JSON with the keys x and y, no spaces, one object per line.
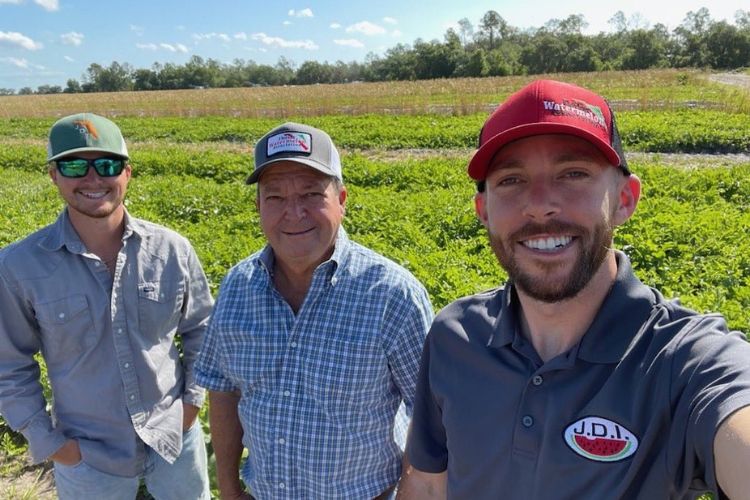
{"x":737,"y":79}
{"x":24,"y":481}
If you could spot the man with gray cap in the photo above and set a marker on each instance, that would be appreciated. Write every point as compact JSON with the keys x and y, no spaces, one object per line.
{"x":314,"y":342}
{"x":102,"y":295}
{"x":574,"y":380}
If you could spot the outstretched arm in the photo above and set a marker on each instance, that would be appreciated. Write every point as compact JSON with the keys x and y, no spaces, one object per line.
{"x":732,"y":454}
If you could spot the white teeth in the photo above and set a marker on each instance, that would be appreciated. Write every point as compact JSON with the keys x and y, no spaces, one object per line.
{"x":94,"y":195}
{"x":548,"y":243}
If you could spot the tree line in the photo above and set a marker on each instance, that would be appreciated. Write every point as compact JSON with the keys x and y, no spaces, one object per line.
{"x":491,"y":48}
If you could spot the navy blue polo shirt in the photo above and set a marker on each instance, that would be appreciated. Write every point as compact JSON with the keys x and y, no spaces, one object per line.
{"x":629,"y":412}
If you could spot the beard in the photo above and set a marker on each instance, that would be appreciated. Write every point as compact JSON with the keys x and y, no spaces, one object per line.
{"x":541,"y":286}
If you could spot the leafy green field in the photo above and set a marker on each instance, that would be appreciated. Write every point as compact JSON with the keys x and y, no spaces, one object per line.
{"x":410,"y":198}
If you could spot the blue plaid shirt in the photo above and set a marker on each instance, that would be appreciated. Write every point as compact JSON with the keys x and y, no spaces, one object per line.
{"x":320,"y":389}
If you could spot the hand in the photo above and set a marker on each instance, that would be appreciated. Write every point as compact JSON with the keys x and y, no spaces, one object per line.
{"x":189,"y":414}
{"x":68,"y":454}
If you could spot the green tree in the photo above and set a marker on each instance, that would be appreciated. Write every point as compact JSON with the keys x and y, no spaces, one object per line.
{"x":72,"y":86}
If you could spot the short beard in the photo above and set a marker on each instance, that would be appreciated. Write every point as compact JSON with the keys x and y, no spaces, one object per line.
{"x":594,"y":249}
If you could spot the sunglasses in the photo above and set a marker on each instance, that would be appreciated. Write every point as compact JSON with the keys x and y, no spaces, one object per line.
{"x":79,"y":167}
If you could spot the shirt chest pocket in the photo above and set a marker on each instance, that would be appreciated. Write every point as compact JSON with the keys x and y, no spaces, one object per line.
{"x":345,"y":375}
{"x":66,"y":326}
{"x":159,"y":303}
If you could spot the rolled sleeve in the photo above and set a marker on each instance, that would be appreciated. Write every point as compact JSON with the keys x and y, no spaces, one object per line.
{"x":208,"y":367}
{"x":196,"y":312}
{"x":408,"y":318}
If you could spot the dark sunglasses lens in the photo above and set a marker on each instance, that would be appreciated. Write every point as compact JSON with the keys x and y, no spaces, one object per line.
{"x":73,"y":168}
{"x":108,"y":167}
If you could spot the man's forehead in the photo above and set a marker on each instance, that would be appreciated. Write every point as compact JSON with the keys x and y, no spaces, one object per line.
{"x":562,"y":148}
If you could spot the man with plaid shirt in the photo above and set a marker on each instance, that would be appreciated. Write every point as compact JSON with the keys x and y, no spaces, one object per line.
{"x":314,"y":343}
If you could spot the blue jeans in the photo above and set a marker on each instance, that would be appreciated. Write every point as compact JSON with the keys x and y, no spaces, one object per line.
{"x":185,"y":479}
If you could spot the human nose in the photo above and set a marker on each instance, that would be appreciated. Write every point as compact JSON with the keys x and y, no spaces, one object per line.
{"x":541,"y":201}
{"x":295,"y":208}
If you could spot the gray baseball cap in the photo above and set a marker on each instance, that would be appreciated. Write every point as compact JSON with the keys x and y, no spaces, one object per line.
{"x":85,"y":132}
{"x":299,"y":143}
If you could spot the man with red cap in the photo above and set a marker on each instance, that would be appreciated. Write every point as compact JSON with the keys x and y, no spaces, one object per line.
{"x":574,"y":380}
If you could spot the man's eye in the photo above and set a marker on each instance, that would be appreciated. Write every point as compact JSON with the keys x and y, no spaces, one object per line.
{"x":508,"y":181}
{"x":576,"y":174}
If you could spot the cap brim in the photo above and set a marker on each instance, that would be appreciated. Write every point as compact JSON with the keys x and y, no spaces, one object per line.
{"x":480,"y":162}
{"x":253,"y":178}
{"x":87,"y":149}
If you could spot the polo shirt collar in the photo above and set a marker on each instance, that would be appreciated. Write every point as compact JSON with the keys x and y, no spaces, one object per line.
{"x":624,"y":311}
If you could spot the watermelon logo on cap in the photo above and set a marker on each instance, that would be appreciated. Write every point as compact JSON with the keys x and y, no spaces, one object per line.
{"x":600,"y":439}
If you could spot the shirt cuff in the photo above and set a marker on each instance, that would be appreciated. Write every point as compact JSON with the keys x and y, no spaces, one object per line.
{"x":194,"y":395}
{"x":44,"y":440}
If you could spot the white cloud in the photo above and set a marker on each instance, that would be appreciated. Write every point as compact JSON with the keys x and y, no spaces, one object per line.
{"x":396,"y":33}
{"x":285,"y":44}
{"x":48,"y":5}
{"x":20,"y":63}
{"x":177,"y":47}
{"x":301,"y":13}
{"x":138,"y":30}
{"x":170,"y":47}
{"x":69,"y":59}
{"x":209,"y":36}
{"x":335,"y":26}
{"x":287,"y":22}
{"x":18,"y":39}
{"x":366,"y":28}
{"x":350,"y":42}
{"x":73,"y":38}
{"x":16,"y":2}
{"x":389,"y":20}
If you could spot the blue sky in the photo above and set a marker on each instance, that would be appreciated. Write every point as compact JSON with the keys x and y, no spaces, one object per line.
{"x":49,"y":41}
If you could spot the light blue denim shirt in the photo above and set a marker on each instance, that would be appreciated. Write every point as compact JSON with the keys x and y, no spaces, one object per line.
{"x":118,"y":379}
{"x":319,"y":389}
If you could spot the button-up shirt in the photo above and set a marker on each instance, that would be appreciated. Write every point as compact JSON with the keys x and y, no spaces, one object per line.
{"x":319,"y":389}
{"x":118,"y":379}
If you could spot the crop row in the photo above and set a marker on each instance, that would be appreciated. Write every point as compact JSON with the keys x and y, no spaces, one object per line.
{"x":687,"y":238}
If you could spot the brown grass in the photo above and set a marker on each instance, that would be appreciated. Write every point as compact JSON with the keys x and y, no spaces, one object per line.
{"x":642,"y":89}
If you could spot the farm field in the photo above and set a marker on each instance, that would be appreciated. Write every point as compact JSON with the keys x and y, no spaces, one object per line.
{"x":404,"y":149}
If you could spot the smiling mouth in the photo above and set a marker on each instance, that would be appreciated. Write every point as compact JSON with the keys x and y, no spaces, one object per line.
{"x":298,"y":233}
{"x":549,"y":244}
{"x":93,"y":195}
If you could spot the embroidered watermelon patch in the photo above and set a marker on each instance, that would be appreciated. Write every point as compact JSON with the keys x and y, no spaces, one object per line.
{"x":600,"y":439}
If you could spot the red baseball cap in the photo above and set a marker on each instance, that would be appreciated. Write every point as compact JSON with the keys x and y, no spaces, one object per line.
{"x":549,"y":107}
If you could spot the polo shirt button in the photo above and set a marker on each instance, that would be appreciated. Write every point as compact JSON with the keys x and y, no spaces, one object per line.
{"x":527,"y":421}
{"x":293,"y":344}
{"x":61,"y":315}
{"x":282,"y":440}
{"x":537,"y":380}
{"x":132,"y":397}
{"x":287,"y":393}
{"x":282,"y":486}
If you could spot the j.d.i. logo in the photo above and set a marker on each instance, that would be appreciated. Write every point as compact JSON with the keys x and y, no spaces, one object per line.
{"x":600,"y":439}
